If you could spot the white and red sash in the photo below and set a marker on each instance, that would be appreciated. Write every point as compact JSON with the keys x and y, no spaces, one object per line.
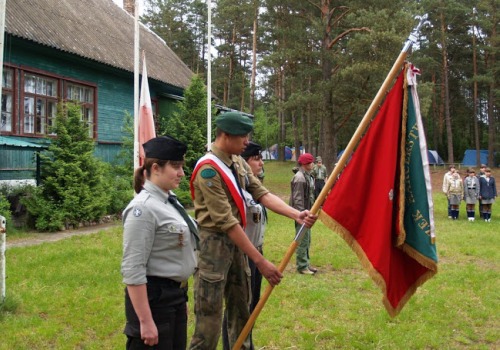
{"x":228,"y":178}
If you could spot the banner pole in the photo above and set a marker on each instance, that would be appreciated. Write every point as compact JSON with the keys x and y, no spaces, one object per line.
{"x":393,"y":73}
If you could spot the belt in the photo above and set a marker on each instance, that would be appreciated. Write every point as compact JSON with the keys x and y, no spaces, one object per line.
{"x":166,"y":281}
{"x":471,"y":188}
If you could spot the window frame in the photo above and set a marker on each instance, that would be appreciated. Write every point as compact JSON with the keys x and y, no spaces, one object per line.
{"x":11,"y":92}
{"x":37,"y":97}
{"x":19,"y":93}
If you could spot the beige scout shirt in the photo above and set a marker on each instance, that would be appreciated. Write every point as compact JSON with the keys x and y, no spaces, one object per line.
{"x":156,"y":239}
{"x":214,"y":207}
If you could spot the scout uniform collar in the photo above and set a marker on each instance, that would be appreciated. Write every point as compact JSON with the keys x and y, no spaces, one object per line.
{"x":226,"y":158}
{"x":156,"y":191}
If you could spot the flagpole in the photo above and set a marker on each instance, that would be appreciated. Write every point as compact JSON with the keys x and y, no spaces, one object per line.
{"x":136,"y":85}
{"x":209,"y":76}
{"x":393,"y":73}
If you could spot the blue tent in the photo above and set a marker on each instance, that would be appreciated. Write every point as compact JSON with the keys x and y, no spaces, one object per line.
{"x":434,"y":157}
{"x":274,"y":152}
{"x":470,"y":157}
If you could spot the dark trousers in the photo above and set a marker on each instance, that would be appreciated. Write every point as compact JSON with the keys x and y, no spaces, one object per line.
{"x":168,"y":307}
{"x":318,"y":187}
{"x":256,"y":283}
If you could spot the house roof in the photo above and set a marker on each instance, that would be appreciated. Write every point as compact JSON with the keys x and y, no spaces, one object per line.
{"x":98,"y":30}
{"x":8,"y":141}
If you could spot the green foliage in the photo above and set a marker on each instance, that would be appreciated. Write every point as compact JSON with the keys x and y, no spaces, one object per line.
{"x":189,"y":124}
{"x":183,"y":193}
{"x":9,"y":306}
{"x":73,"y":189}
{"x":123,"y":164}
{"x":5,"y":208}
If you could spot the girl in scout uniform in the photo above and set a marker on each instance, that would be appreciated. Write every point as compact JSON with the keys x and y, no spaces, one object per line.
{"x":471,"y":190}
{"x":158,"y":251}
{"x":455,"y":192}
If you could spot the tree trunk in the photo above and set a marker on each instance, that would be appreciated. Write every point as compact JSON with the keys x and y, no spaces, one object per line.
{"x":254,"y":58}
{"x":449,"y":133}
{"x":492,"y":127}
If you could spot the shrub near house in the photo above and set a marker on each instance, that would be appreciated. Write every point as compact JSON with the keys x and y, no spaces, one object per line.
{"x":73,"y":188}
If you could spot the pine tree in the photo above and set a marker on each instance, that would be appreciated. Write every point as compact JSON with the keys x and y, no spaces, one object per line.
{"x":189,"y":123}
{"x":73,"y":189}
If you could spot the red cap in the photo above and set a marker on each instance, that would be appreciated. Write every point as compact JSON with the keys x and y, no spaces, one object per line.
{"x":306,"y":158}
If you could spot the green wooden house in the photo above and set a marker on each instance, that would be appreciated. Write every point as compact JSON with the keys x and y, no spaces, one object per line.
{"x":81,"y":51}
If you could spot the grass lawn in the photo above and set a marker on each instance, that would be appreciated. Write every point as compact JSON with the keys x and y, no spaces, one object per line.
{"x":69,"y":295}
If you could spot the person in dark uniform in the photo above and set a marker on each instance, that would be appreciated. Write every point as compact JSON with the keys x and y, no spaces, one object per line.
{"x":487,"y":193}
{"x":159,"y":241}
{"x":320,"y":175}
{"x":218,"y":183}
{"x":482,"y":171}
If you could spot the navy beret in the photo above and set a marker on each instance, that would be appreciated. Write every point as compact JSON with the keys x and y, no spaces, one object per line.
{"x":165,"y":148}
{"x":234,"y":123}
{"x":253,"y":149}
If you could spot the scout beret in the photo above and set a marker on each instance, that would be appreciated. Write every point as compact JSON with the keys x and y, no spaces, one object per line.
{"x":306,"y":158}
{"x":234,"y":123}
{"x":253,"y":149}
{"x":165,"y":148}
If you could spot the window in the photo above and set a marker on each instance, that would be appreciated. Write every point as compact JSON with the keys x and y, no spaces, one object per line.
{"x":29,"y":101}
{"x":7,"y":100}
{"x":40,"y":104}
{"x":84,"y":96}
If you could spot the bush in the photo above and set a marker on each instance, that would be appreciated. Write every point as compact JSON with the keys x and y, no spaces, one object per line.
{"x":5,"y":208}
{"x":73,"y":186}
{"x":119,"y":187}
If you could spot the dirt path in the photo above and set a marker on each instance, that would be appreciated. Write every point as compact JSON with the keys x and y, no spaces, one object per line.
{"x":57,"y":236}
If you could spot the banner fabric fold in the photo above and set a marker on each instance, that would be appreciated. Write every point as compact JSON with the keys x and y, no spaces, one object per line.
{"x":382,"y":205}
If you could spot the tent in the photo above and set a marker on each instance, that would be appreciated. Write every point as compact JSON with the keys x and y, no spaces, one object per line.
{"x":274,"y":152}
{"x":434,"y":158}
{"x":266,"y":155}
{"x":470,"y":157}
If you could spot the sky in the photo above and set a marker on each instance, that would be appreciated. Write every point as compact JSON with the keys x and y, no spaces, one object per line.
{"x":120,"y":3}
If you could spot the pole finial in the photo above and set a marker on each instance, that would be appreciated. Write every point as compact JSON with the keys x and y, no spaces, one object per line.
{"x":412,"y":39}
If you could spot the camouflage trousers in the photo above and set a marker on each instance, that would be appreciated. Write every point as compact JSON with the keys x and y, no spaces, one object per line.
{"x":222,"y":277}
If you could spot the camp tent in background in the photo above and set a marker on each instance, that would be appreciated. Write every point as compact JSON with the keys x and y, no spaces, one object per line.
{"x":470,"y":157}
{"x":274,"y":152}
{"x":434,"y":158}
{"x":266,"y":155}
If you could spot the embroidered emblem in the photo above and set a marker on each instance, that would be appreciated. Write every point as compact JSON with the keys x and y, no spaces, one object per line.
{"x":208,"y":173}
{"x":391,"y":194}
{"x":137,"y":212}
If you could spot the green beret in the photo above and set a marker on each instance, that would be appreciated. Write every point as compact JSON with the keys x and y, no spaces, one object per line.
{"x":234,"y":123}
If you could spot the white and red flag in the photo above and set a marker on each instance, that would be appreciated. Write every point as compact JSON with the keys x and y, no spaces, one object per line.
{"x":146,"y":121}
